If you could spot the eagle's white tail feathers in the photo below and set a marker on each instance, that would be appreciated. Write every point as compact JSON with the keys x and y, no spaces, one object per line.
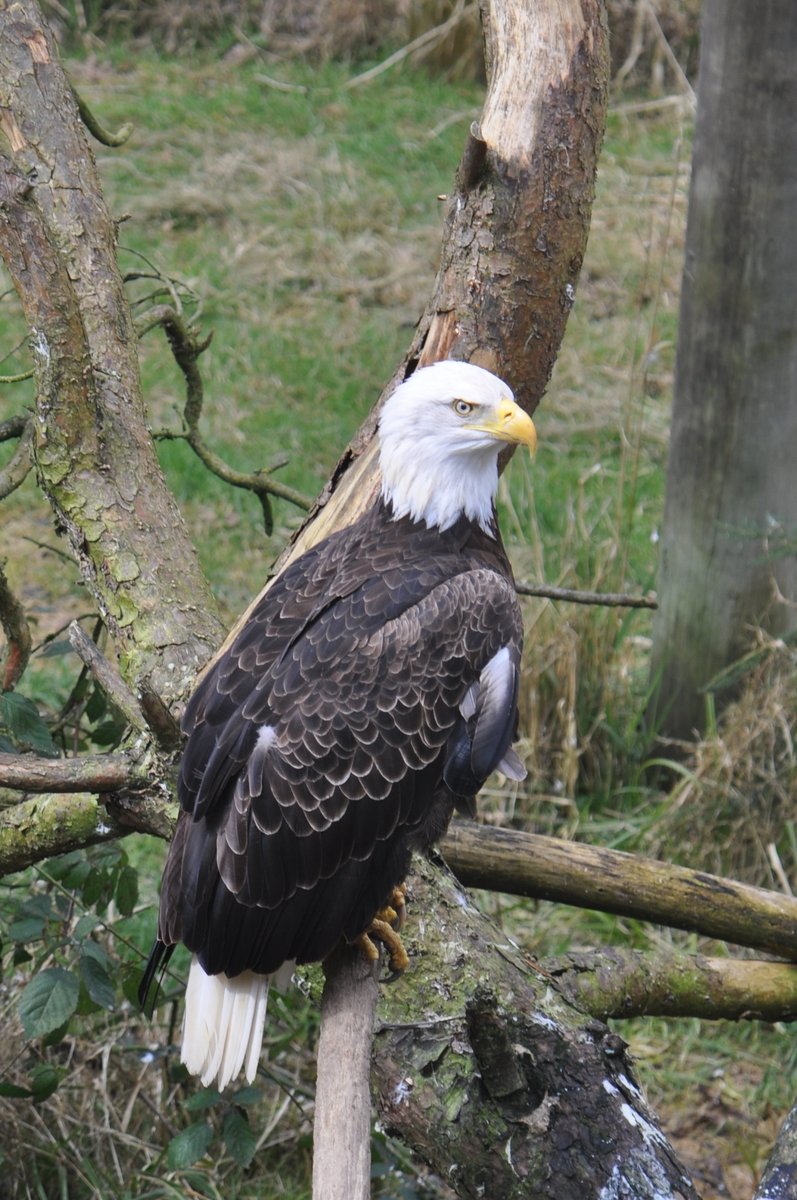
{"x":223,"y":1023}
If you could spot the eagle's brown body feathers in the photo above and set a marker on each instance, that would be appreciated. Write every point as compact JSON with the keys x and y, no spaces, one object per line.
{"x":357,"y":658}
{"x":372,"y":690}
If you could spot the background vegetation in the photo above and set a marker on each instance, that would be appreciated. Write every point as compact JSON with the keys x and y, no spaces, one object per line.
{"x":295,"y":214}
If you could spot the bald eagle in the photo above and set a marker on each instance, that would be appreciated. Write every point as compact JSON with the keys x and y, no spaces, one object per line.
{"x":372,"y":690}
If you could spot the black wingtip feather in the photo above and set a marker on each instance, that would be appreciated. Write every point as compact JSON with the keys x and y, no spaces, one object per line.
{"x":157,"y":961}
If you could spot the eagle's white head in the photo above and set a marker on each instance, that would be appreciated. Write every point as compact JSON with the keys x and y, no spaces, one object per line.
{"x":440,"y":434}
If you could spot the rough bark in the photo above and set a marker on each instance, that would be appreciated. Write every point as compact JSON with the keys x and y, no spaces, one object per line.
{"x":731,"y":510}
{"x":779,"y":1181}
{"x":546,"y":868}
{"x":88,"y":772}
{"x":94,"y":456}
{"x":496,"y":1081}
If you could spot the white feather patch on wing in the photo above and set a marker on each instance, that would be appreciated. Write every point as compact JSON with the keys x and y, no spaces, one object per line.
{"x":223,"y":1023}
{"x":511,"y":766}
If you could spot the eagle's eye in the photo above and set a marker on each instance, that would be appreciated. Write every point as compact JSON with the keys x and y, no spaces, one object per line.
{"x":463,"y":408}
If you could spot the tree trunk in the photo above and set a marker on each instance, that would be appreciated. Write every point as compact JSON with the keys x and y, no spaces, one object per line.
{"x":728,"y":555}
{"x":95,"y":458}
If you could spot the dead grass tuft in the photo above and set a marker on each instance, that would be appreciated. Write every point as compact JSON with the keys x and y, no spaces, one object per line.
{"x":734,"y":806}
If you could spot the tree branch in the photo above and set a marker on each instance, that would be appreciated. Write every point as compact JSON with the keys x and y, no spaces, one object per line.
{"x":48,"y":825}
{"x":17,"y":632}
{"x":98,"y":131}
{"x":495,"y":1080}
{"x":107,"y":676}
{"x":779,"y":1180}
{"x":547,"y":868}
{"x":95,"y":457}
{"x":618,"y":983}
{"x":84,"y":773}
{"x":574,"y":596}
{"x":186,"y":350}
{"x":16,"y":470}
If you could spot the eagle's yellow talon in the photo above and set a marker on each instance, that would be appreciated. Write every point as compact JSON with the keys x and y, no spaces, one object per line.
{"x":384,"y":928}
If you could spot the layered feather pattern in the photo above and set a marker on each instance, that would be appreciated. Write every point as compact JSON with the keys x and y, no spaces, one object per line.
{"x":372,"y":690}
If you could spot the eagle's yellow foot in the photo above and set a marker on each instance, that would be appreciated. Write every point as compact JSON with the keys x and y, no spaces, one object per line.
{"x":383,"y":928}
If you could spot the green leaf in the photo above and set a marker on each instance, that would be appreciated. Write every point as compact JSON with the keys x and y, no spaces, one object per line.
{"x":38,"y":906}
{"x":60,"y":866}
{"x":241,"y":1143}
{"x":44,"y":1080}
{"x":127,"y":891}
{"x":97,"y":704}
{"x":57,"y":1035}
{"x":202,"y":1100}
{"x":248,"y":1095}
{"x":13,"y":1092}
{"x":108,"y":733}
{"x":95,"y":950}
{"x":56,"y":648}
{"x":27,"y":929}
{"x":20,"y":717}
{"x":96,"y":888}
{"x":84,"y":926}
{"x":188,"y":1147}
{"x":48,"y":1001}
{"x":131,"y":979}
{"x":96,"y":979}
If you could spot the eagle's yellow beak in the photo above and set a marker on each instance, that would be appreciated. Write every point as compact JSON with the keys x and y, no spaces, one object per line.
{"x":511,"y":424}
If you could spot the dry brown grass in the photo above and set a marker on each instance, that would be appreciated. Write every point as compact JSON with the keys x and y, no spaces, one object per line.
{"x":734,"y":806}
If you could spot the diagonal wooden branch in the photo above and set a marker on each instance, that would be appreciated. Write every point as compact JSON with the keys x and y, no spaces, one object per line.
{"x":18,"y":467}
{"x":576,"y":596}
{"x":525,"y":864}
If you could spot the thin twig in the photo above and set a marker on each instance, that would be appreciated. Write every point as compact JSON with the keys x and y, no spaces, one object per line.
{"x":17,"y":631}
{"x":98,"y":131}
{"x":187,"y":349}
{"x":13,"y":427}
{"x":418,"y":43}
{"x":574,"y":596}
{"x":18,"y":467}
{"x":107,"y":676}
{"x":669,"y":54}
{"x":20,"y":377}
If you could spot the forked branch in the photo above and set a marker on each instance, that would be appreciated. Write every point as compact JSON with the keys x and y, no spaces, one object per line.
{"x":187,"y":348}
